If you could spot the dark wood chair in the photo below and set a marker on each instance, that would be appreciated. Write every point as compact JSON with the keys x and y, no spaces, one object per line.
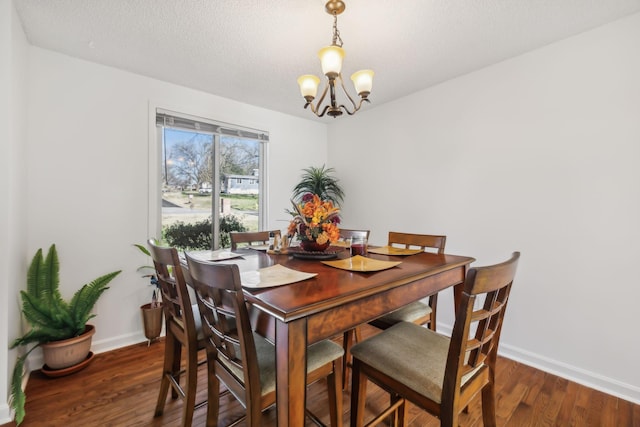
{"x":182,"y":329}
{"x":352,"y":335}
{"x":249,"y":238}
{"x":437,"y":373}
{"x":346,"y":234}
{"x":417,"y":312}
{"x":241,"y":358}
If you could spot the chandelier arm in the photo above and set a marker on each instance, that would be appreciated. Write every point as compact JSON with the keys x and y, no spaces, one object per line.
{"x":324,"y":110}
{"x":344,"y":89}
{"x":316,"y":108}
{"x":356,"y":107}
{"x":312,"y":107}
{"x":324,"y":93}
{"x":316,"y":111}
{"x":346,"y":110}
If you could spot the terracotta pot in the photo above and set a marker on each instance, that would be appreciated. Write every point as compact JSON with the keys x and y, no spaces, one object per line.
{"x":152,"y":320}
{"x":65,"y":353}
{"x":313,"y":246}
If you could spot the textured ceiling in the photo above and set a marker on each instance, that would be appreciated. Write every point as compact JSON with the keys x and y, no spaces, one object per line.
{"x":254,"y":50}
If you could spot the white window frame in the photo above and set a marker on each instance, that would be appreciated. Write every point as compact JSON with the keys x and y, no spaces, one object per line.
{"x":154,"y":205}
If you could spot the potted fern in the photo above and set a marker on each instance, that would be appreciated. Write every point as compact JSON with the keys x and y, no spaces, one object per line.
{"x":59,"y":327}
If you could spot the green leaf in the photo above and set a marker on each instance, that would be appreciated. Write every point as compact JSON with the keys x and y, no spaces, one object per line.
{"x":50,"y":276}
{"x":43,"y":281}
{"x":143,"y":249}
{"x":36,"y":311}
{"x":146,"y":267}
{"x":86,"y":297}
{"x":319,"y":181}
{"x":43,"y":335}
{"x":33,"y":274}
{"x":18,"y":397}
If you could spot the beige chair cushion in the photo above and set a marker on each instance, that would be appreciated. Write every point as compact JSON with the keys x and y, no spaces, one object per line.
{"x":408,"y":313}
{"x":318,"y":354}
{"x":412,"y":354}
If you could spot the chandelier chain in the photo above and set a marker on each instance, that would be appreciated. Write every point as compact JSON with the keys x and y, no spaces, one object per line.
{"x":337,"y":41}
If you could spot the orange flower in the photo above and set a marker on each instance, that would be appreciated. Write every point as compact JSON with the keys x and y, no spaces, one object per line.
{"x":315,"y":219}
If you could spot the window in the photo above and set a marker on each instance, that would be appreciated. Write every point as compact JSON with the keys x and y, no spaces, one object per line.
{"x":211,"y":180}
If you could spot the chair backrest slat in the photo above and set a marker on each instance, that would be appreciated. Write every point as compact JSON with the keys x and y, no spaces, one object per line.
{"x":422,"y":241}
{"x":249,"y":238}
{"x":173,"y":288}
{"x":226,"y":323}
{"x":476,"y":332}
{"x":346,"y":233}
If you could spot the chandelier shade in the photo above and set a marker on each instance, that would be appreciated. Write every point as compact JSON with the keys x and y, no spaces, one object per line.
{"x":331,"y":58}
{"x":362,"y":81}
{"x":308,"y":85}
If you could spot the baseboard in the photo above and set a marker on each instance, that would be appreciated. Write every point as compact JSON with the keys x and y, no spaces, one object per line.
{"x":117,"y":342}
{"x":5,"y":413}
{"x":581,"y":376}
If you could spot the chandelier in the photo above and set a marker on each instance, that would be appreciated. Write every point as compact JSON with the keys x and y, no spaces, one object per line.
{"x":331,"y":61}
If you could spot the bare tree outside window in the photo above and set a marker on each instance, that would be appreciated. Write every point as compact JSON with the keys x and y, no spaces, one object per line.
{"x":188,"y":196}
{"x":189,"y":160}
{"x":239,"y":156}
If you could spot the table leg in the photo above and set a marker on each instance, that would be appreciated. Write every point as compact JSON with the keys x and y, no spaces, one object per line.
{"x":457,"y":291}
{"x":291,"y":359}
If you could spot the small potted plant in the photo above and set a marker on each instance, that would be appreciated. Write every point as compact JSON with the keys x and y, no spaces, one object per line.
{"x":59,"y":327}
{"x":320,"y":181}
{"x":152,"y":311}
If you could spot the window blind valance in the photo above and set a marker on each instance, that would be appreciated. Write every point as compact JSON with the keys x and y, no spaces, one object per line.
{"x":182,"y":121}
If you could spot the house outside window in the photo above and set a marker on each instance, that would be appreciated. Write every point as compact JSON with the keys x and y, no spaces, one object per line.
{"x":210,"y":180}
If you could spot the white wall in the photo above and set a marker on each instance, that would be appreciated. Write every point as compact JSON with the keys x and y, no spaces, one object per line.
{"x":88,"y":175}
{"x":5,"y":179}
{"x":13,"y":66}
{"x":538,"y":154}
{"x":535,"y":154}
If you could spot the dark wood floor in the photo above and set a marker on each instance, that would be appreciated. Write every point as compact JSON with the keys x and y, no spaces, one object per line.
{"x":119,"y":388}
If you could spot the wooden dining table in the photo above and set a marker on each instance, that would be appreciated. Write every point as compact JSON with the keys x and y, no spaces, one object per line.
{"x":333,"y":301}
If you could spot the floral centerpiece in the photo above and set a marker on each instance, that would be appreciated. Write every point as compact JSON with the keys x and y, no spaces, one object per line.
{"x":315,"y":221}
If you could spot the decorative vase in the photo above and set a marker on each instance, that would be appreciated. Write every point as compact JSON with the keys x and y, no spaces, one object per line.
{"x":152,"y":321}
{"x":65,"y":353}
{"x":313,"y":246}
